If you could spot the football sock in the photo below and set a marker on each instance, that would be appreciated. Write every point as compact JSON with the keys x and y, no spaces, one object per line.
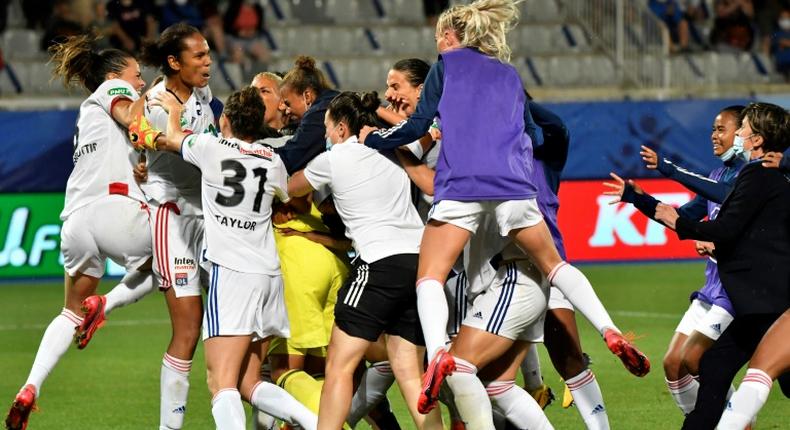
{"x":530,"y":368}
{"x":54,"y":344}
{"x":470,"y":396}
{"x":684,"y":391}
{"x":747,"y":401}
{"x":302,"y":387}
{"x":263,"y":421}
{"x":517,"y":405}
{"x":276,"y":402}
{"x":133,"y":287}
{"x":432,"y":308}
{"x":577,"y":289}
{"x":588,"y":399}
{"x":227,"y":410}
{"x":373,"y":387}
{"x":174,"y":389}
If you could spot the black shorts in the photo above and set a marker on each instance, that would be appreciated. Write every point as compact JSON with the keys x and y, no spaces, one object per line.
{"x":381,"y":297}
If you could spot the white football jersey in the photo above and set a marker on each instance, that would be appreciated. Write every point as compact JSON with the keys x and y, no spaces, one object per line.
{"x":169,"y":177}
{"x":372,"y":195}
{"x":239,"y":183}
{"x":103,"y":158}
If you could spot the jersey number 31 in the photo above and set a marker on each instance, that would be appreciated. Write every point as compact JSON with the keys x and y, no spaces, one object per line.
{"x":234,"y":183}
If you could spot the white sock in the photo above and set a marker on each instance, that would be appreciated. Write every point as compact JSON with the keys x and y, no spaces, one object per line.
{"x":684,"y":391}
{"x":263,"y":421}
{"x":376,"y":380}
{"x":174,"y":389}
{"x":227,"y":410}
{"x":580,"y":293}
{"x":747,"y":401}
{"x":446,"y":397}
{"x":517,"y":405}
{"x":530,"y":369}
{"x":54,"y":344}
{"x":588,"y":399}
{"x":133,"y":287}
{"x":470,"y":396}
{"x":432,"y":308}
{"x":278,"y":403}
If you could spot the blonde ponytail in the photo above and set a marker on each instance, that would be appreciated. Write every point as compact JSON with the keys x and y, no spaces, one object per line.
{"x":483,"y":24}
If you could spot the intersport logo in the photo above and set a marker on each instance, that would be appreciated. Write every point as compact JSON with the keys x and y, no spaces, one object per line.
{"x":595,"y":230}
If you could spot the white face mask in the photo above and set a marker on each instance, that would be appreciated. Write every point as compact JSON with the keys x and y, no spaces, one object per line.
{"x":784,"y":24}
{"x":728,"y":154}
{"x":329,"y":143}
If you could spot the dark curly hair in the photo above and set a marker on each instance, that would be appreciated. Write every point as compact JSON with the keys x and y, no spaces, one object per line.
{"x":245,"y":110}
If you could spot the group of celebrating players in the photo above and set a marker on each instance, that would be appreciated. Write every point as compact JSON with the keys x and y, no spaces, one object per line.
{"x":458,"y":197}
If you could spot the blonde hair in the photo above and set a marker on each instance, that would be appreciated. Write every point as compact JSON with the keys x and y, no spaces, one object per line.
{"x":277,"y":79}
{"x":483,"y":24}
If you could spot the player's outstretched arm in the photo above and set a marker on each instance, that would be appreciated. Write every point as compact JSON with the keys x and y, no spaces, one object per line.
{"x":298,"y":185}
{"x":174,"y":135}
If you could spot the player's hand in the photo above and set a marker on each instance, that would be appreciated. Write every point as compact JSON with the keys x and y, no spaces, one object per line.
{"x":435,"y":133}
{"x":366,"y":130}
{"x":141,"y":169}
{"x":617,"y":188}
{"x":166,"y":101}
{"x":649,"y":157}
{"x":289,"y":232}
{"x":704,"y":248}
{"x":772,"y":159}
{"x":667,"y":215}
{"x":142,"y":134}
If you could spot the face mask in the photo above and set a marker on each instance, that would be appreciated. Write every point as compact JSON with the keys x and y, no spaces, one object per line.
{"x":740,"y":151}
{"x":329,"y":143}
{"x":784,"y":24}
{"x":728,"y":154}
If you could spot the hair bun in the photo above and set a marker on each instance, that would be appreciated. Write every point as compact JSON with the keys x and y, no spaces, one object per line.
{"x":305,"y":62}
{"x":370,"y":101}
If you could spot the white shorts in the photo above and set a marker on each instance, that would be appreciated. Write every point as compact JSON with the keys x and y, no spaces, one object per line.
{"x":557,"y":300}
{"x":178,"y":241}
{"x":510,"y":214}
{"x":114,"y":227}
{"x":710,"y":320}
{"x":455,"y":292}
{"x":240,"y":304}
{"x":514,"y":306}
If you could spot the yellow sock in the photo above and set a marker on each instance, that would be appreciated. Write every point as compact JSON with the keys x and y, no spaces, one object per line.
{"x":303,"y":387}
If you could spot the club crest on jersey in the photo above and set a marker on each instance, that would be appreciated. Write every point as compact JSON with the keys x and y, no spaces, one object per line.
{"x":119,"y":91}
{"x":181,"y":279}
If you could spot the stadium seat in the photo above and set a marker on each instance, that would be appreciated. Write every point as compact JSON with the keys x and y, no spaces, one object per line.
{"x":563,"y":71}
{"x":597,"y":70}
{"x":540,"y":11}
{"x":22,"y":44}
{"x":579,"y":37}
{"x":343,"y":41}
{"x":404,"y":11}
{"x":537,"y":39}
{"x":353,"y":11}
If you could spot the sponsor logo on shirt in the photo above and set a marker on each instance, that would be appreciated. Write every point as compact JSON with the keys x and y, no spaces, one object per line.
{"x":478,"y":315}
{"x":83,"y":150}
{"x":119,"y":91}
{"x":716,"y":327}
{"x":181,"y":279}
{"x":184,"y":263}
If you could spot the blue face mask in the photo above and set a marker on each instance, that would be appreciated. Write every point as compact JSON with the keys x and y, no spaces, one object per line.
{"x":740,"y":151}
{"x":727,"y":155}
{"x":329,"y":144}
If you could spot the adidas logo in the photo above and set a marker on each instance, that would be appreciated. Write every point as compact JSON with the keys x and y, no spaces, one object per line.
{"x":598,"y":409}
{"x":478,"y":315}
{"x":716,"y":327}
{"x":729,"y":406}
{"x":180,"y":410}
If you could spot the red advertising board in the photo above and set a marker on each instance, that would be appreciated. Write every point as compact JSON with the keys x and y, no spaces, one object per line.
{"x":594,"y":230}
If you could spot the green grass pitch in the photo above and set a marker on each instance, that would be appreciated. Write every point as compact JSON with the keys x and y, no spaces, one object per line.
{"x":114,"y":383}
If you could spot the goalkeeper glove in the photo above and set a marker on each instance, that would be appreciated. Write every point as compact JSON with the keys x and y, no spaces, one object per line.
{"x":142,"y":134}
